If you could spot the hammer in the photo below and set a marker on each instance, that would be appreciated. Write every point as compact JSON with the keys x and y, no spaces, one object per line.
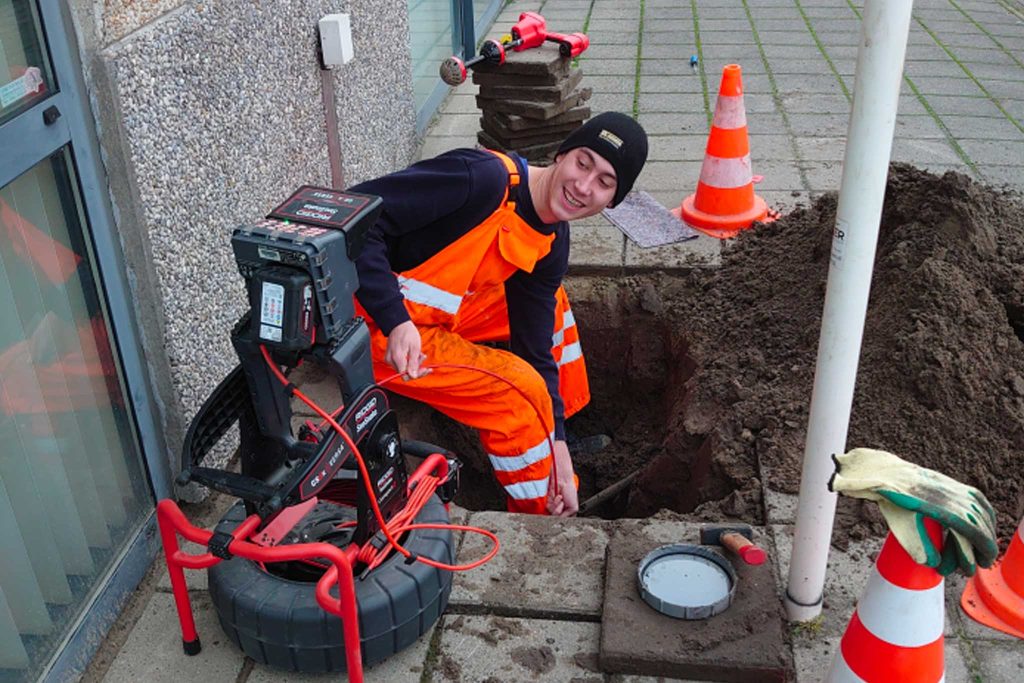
{"x":736,"y":538}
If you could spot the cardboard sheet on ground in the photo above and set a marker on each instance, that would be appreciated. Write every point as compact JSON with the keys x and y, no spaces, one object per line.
{"x":645,"y":221}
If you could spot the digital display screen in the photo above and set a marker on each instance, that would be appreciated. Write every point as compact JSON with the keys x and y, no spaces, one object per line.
{"x":321,"y":207}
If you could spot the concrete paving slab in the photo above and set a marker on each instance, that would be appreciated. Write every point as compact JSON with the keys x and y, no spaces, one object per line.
{"x":153,"y":653}
{"x":746,"y":642}
{"x":509,"y":650}
{"x":405,"y":667}
{"x":702,"y":252}
{"x":528,"y":577}
{"x":1000,"y":662}
{"x":678,"y":176}
{"x":601,"y":102}
{"x":995,"y":152}
{"x":677,"y":147}
{"x":596,"y":247}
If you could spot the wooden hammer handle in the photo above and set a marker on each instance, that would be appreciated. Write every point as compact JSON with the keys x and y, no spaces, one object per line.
{"x":744,"y":547}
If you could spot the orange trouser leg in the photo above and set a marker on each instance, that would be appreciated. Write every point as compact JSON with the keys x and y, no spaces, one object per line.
{"x":514,"y":428}
{"x":485,"y":318}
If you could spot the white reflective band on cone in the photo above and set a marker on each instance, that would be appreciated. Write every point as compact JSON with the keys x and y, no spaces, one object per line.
{"x":429,"y":295}
{"x":726,"y":174}
{"x":729,"y":113}
{"x":899,"y":616}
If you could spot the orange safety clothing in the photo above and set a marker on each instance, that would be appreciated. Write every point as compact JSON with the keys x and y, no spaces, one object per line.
{"x":456,"y":298}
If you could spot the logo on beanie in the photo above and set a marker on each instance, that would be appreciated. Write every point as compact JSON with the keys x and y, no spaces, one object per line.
{"x":611,"y":138}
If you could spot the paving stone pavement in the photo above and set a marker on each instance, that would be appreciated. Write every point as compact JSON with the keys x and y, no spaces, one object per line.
{"x":961,"y":108}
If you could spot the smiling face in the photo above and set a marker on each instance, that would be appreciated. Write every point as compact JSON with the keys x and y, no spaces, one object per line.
{"x":581,"y":184}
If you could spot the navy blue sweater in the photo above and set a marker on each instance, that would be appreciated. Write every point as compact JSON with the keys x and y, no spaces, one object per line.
{"x":432,"y":204}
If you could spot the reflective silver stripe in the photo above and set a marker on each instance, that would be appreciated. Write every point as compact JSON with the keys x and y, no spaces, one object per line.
{"x":568,"y":320}
{"x":525,"y":490}
{"x":512,"y":463}
{"x":570,"y":353}
{"x":429,"y":295}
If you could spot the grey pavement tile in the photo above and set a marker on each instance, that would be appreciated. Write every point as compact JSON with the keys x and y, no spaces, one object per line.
{"x":917,"y":127}
{"x":812,"y":65}
{"x":995,"y":152}
{"x":694,"y":122}
{"x":828,"y":125}
{"x":942,"y":85}
{"x":596,"y":247}
{"x":783,"y":201}
{"x":822,"y":176}
{"x":777,"y":174}
{"x":153,"y":653}
{"x":818,"y":83}
{"x":608,"y":84}
{"x":668,"y":50}
{"x":701,"y":252}
{"x":456,"y":125}
{"x":771,"y":146}
{"x":479,"y":648}
{"x":624,"y":69}
{"x":921,"y":152}
{"x":970,"y":629}
{"x":540,"y":544}
{"x":677,"y":11}
{"x":928,"y":68}
{"x":682,"y":83}
{"x":460,"y":104}
{"x":757,"y":104}
{"x":614,"y":11}
{"x":1000,"y":662}
{"x":671,"y":102}
{"x":821,"y":148}
{"x":780,"y":507}
{"x":712,"y":23}
{"x":739,"y":37}
{"x":1003,"y":176}
{"x":663,"y":30}
{"x":599,"y":52}
{"x":979,"y":107}
{"x":602,"y":102}
{"x":815,"y":103}
{"x":680,"y":177}
{"x":612,"y":38}
{"x":434,"y":145}
{"x":405,"y":667}
{"x":677,"y":147}
{"x":987,"y":55}
{"x":195,"y":579}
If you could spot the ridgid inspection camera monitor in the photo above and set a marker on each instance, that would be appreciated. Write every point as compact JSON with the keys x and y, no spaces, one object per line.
{"x":298,"y":266}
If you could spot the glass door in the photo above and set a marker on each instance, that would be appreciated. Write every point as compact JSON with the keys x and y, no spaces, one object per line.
{"x":73,"y":488}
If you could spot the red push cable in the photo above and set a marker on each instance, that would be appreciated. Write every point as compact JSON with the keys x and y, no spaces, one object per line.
{"x":373,"y":499}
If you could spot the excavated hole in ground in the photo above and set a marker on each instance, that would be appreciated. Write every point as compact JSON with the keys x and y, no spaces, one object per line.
{"x":639,"y":367}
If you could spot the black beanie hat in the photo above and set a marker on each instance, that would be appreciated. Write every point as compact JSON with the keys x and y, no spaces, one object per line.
{"x":617,"y":138}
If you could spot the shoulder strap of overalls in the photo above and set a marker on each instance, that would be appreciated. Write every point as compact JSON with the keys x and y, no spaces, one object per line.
{"x":513,"y":177}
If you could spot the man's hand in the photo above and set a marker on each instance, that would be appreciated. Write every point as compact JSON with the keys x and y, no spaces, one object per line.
{"x":403,"y":352}
{"x":563,"y":499}
{"x":906,"y":492}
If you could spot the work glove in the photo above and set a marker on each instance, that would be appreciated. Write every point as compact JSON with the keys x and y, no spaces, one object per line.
{"x":907,"y":493}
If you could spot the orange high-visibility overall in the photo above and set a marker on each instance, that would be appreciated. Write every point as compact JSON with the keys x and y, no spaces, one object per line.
{"x":457,"y":298}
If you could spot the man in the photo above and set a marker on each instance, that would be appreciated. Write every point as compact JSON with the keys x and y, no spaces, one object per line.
{"x":472,"y":246}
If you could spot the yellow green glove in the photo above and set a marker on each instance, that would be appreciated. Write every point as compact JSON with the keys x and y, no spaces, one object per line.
{"x":907,"y":493}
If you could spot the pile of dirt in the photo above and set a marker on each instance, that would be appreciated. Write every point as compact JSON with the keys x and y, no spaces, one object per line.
{"x":941,"y":375}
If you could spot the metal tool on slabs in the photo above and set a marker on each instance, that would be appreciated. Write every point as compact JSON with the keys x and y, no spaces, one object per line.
{"x":529,"y":32}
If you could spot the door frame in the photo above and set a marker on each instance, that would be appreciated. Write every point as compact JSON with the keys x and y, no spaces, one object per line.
{"x":28,"y":141}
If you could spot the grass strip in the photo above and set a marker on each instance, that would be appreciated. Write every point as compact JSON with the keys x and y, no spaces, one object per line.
{"x":970,"y":74}
{"x":700,"y":61}
{"x":950,"y":140}
{"x":639,"y":56}
{"x":824,"y":52}
{"x":777,"y":99}
{"x":991,"y":37}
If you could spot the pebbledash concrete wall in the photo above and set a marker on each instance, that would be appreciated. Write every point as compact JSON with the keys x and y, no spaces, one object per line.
{"x":208,"y":114}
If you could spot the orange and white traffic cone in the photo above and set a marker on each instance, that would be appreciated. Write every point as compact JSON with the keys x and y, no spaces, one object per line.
{"x":995,"y":596}
{"x":724,"y":202}
{"x":896,"y":632}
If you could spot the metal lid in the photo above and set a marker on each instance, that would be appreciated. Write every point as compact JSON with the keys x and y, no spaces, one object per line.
{"x":686,"y":581}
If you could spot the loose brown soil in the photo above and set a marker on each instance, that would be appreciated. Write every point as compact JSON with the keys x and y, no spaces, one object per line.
{"x":704,"y":380}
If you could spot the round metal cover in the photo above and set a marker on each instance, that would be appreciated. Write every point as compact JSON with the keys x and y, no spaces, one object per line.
{"x":686,"y":581}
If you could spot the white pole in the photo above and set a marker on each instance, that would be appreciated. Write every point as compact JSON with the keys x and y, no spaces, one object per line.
{"x":883,"y":41}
